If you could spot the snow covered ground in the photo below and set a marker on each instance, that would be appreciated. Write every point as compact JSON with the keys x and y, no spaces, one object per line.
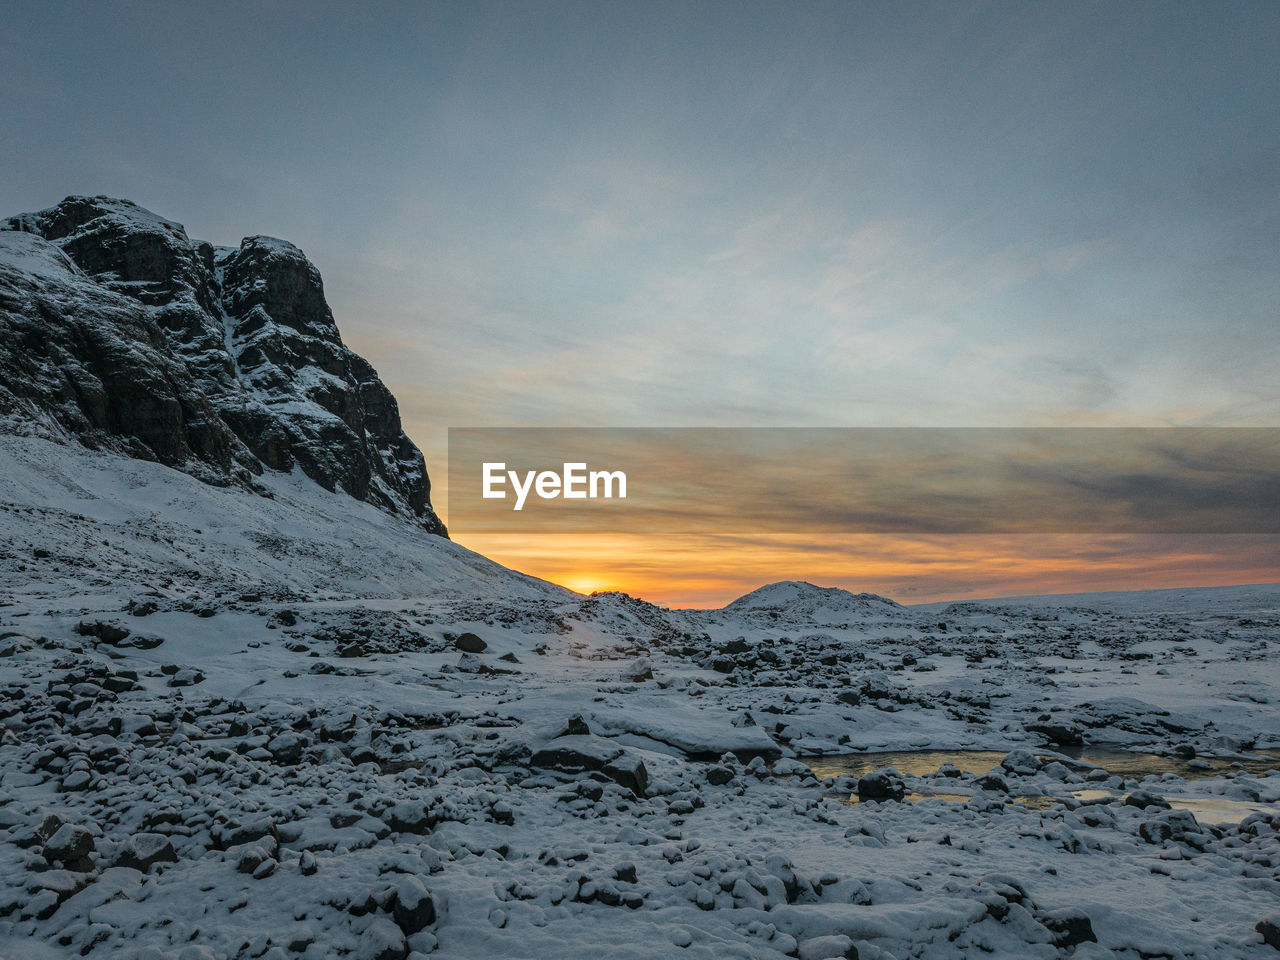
{"x":239,"y":726}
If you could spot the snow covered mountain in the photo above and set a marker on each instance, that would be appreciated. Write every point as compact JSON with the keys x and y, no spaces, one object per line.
{"x":119,"y":330}
{"x":250,"y":712}
{"x":796,"y":601}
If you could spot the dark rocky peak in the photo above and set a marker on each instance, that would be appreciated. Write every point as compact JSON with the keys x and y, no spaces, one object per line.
{"x":276,"y":277}
{"x":123,"y":246}
{"x":216,"y":360}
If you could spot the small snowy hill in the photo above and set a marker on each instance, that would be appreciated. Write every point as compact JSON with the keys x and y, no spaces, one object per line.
{"x":800,"y":602}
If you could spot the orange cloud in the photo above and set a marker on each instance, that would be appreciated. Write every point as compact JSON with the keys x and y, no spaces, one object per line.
{"x":710,"y":570}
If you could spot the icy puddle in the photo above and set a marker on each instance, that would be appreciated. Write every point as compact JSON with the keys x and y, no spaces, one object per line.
{"x":1122,"y":763}
{"x":1218,"y":810}
{"x":1118,"y":762}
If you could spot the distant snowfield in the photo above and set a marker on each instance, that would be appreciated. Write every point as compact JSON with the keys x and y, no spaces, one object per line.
{"x":237,"y":726}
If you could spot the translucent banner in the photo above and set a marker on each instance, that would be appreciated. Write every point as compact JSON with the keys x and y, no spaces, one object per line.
{"x":864,"y":480}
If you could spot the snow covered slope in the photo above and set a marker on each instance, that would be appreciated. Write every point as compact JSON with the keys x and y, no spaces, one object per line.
{"x":85,"y":522}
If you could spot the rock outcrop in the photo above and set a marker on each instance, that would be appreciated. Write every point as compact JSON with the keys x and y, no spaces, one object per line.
{"x":120,"y":331}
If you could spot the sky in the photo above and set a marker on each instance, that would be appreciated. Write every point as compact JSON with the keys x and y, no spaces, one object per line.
{"x":717,"y":214}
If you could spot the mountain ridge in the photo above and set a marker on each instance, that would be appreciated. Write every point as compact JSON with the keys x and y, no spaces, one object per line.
{"x":119,"y":330}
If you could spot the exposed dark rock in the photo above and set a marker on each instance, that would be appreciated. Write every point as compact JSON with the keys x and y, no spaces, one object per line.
{"x":1143,"y":799}
{"x":287,"y":748}
{"x":1270,"y":931}
{"x":881,"y":785}
{"x":382,"y":940}
{"x":639,"y":671}
{"x":992,"y":782}
{"x":1062,"y":734}
{"x":576,"y":727}
{"x":1070,"y":927}
{"x":409,"y":817}
{"x":578,"y":753}
{"x":70,"y":846}
{"x":470,"y":643}
{"x":145,"y":850}
{"x":719,"y":776}
{"x":111,"y":633}
{"x":413,"y":907}
{"x":237,"y":834}
{"x":186,"y":677}
{"x":1177,"y":825}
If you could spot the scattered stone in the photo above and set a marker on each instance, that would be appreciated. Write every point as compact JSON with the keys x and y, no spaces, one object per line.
{"x":144,"y":850}
{"x":577,"y":753}
{"x":1070,"y":927}
{"x":719,"y":776}
{"x":1177,"y":825}
{"x":186,"y":677}
{"x":1061,"y":733}
{"x":1142,"y":799}
{"x":639,"y":671}
{"x":383,"y":940}
{"x":287,"y":748}
{"x":992,"y":782}
{"x":107,"y":632}
{"x":71,"y":846}
{"x":413,"y":908}
{"x":1270,"y":930}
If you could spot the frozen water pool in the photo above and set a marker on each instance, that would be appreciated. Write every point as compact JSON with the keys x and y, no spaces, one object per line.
{"x":1123,"y":763}
{"x":1129,"y":766}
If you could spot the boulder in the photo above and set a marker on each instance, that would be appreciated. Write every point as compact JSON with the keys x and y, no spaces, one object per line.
{"x":582,"y":753}
{"x":382,"y":940}
{"x":638,"y":671}
{"x":1270,"y":930}
{"x":70,"y":846}
{"x":881,"y":785}
{"x":1177,"y":825}
{"x":142,"y":851}
{"x":413,"y":907}
{"x":287,"y":748}
{"x":1063,"y":733}
{"x":1069,"y":927}
{"x":470,"y":643}
{"x":1142,"y":799}
{"x":719,"y":776}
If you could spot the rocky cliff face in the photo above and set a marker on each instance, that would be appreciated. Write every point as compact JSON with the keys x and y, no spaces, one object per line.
{"x":119,"y":330}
